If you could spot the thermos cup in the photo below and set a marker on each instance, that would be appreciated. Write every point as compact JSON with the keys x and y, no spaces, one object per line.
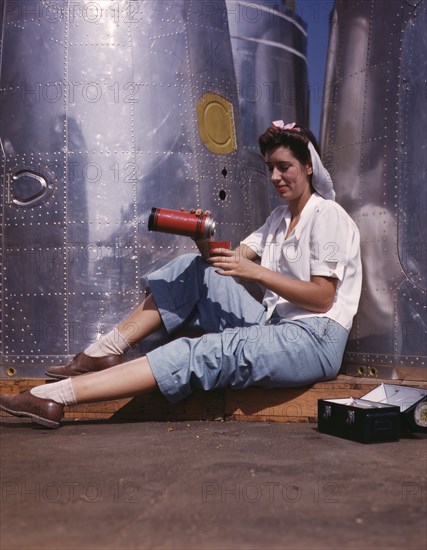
{"x":218,"y":244}
{"x":181,"y":223}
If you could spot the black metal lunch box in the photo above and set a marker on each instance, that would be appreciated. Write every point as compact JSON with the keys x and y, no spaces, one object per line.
{"x":383,"y":414}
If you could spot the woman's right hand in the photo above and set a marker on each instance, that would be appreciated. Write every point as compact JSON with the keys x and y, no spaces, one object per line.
{"x":202,"y":244}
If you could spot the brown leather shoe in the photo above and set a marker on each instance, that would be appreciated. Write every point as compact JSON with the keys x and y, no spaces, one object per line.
{"x":41,"y":411}
{"x":82,"y":364}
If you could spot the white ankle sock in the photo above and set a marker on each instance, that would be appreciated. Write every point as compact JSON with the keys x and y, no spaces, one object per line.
{"x":111,"y":343}
{"x":62,"y":392}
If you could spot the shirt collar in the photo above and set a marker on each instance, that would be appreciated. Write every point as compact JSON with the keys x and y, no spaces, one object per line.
{"x":307,"y":212}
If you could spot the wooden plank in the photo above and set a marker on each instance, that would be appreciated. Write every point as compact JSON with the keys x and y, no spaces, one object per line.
{"x":252,"y":404}
{"x":286,"y":405}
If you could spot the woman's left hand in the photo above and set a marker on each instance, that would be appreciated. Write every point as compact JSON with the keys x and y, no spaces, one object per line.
{"x":233,"y":263}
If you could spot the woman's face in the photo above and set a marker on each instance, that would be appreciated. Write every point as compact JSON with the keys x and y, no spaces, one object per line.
{"x":289,"y":177}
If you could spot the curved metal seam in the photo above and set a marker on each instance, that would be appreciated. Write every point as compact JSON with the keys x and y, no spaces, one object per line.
{"x":271,"y":11}
{"x":272,"y":44}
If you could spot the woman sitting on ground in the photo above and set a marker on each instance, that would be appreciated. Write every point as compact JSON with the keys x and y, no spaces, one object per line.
{"x":307,"y":258}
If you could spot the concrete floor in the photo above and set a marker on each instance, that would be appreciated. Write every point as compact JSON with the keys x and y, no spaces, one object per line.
{"x":229,"y":485}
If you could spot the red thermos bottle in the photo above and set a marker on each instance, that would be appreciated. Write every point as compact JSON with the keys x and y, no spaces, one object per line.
{"x":181,"y":223}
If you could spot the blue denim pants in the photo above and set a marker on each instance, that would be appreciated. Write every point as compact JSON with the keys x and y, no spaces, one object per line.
{"x":239,"y":348}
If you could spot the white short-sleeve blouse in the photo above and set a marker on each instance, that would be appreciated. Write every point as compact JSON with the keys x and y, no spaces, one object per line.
{"x":324,"y":242}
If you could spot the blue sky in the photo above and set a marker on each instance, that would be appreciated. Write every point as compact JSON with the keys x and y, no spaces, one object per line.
{"x":316,"y":15}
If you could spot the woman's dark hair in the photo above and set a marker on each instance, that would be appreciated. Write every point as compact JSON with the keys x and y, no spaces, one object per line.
{"x":296,"y":139}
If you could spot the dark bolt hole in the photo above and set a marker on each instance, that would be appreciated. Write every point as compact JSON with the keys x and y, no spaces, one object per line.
{"x":222,"y":195}
{"x":224,"y":172}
